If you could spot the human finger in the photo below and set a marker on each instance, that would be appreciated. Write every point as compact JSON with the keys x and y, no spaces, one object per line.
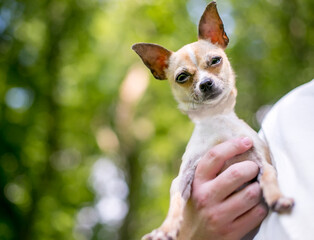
{"x":213,"y":161}
{"x":250,"y":220}
{"x":242,"y":201}
{"x":234,"y":177}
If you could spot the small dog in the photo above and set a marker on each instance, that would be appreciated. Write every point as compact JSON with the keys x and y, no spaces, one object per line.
{"x":203,"y":83}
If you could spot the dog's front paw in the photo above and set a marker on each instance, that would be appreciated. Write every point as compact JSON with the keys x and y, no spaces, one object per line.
{"x":159,"y":234}
{"x":282,"y":205}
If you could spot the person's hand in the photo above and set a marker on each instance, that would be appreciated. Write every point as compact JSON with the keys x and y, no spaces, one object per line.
{"x":216,"y":210}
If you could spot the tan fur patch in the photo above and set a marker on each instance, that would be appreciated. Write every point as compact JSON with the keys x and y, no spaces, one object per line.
{"x":175,"y":213}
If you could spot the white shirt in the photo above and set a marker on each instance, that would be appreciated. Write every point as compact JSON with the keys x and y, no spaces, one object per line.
{"x":289,"y":131}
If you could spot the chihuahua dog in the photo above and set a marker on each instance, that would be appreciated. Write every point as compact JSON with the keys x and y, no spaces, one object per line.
{"x":203,"y":83}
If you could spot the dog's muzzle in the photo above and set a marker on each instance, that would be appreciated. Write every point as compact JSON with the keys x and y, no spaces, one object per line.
{"x":208,"y":89}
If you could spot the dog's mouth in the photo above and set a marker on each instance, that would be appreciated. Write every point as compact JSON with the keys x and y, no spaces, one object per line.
{"x":212,"y":95}
{"x":198,"y":100}
{"x":206,"y":90}
{"x":205,"y":96}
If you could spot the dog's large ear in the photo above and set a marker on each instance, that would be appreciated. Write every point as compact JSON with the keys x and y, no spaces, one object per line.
{"x":154,"y":57}
{"x":211,"y":27}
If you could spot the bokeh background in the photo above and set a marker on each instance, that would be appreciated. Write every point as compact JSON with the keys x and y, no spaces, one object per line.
{"x":89,"y":141}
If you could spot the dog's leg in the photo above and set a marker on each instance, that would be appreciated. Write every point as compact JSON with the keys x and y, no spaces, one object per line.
{"x":272,"y":194}
{"x":179,"y":194}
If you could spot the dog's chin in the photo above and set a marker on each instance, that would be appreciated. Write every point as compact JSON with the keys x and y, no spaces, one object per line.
{"x":203,"y":104}
{"x":202,"y":101}
{"x":210,"y":98}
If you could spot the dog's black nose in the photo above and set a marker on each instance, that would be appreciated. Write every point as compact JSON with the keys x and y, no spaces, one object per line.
{"x":206,"y":85}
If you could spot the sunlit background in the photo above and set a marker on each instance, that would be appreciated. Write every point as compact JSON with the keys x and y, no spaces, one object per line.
{"x":89,"y":141}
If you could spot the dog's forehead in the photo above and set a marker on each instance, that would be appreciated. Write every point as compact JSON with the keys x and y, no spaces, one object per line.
{"x":197,"y":52}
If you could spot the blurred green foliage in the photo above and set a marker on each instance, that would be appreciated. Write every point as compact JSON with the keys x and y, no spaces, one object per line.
{"x":89,"y":142}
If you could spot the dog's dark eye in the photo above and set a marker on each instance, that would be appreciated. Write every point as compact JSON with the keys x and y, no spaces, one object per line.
{"x":182,"y":77}
{"x":215,"y":61}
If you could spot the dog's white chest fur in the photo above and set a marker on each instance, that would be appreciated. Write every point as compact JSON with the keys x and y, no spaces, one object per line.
{"x":209,"y":131}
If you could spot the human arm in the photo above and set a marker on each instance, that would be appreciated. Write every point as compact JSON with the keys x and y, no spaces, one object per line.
{"x":216,"y":210}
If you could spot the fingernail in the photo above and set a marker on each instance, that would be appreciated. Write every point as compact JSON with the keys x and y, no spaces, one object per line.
{"x":247,"y":141}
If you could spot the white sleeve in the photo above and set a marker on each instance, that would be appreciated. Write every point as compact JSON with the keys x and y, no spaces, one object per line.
{"x":289,"y":131}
